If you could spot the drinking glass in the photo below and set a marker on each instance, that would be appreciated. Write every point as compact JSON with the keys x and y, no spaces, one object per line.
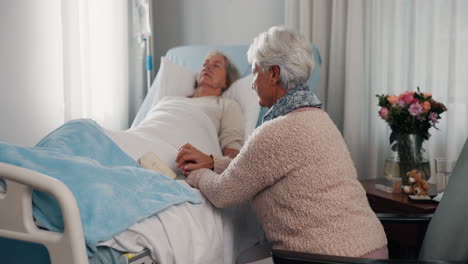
{"x":444,"y":168}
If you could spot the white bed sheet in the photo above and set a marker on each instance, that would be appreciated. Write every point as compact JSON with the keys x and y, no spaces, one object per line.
{"x":186,"y":233}
{"x":169,"y":125}
{"x":189,"y":233}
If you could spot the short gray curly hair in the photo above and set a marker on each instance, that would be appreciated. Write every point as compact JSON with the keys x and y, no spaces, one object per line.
{"x":286,"y":48}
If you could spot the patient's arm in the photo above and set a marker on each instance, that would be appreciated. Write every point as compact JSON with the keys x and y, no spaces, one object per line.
{"x":231,"y":133}
{"x":230,"y":152}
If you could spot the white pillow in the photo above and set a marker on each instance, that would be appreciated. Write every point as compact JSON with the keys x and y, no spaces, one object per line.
{"x":173,"y":80}
{"x":242,"y":92}
{"x":176,"y":80}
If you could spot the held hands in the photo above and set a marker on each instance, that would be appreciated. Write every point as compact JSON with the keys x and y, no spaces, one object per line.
{"x":189,"y":158}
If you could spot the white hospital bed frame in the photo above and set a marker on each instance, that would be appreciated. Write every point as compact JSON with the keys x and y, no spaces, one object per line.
{"x":16,"y":221}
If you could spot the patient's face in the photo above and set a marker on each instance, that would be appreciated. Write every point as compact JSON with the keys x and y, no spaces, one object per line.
{"x":213,"y":73}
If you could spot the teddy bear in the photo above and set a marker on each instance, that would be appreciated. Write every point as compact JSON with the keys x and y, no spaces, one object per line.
{"x":418,"y":185}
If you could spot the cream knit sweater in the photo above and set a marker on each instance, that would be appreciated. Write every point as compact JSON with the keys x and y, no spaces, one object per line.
{"x":225,"y":113}
{"x":298,"y":173}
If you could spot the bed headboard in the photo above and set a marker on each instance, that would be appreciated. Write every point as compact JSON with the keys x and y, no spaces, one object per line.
{"x":192,"y":57}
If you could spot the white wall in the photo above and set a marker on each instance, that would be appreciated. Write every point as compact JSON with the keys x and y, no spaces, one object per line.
{"x":217,"y":22}
{"x":31,"y":96}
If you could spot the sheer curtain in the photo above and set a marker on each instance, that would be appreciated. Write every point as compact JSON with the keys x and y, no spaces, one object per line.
{"x":374,"y":47}
{"x":96,"y":81}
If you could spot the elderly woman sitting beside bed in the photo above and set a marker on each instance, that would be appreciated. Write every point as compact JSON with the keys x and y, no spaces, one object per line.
{"x":295,"y":168}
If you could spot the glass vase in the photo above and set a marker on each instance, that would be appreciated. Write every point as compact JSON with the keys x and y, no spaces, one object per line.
{"x":407,"y":153}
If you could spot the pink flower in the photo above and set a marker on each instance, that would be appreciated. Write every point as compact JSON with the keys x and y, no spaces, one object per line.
{"x":408,"y":97}
{"x":392,"y":99}
{"x":433,"y":117}
{"x":415,"y":109}
{"x":401,"y":103}
{"x":406,"y":114}
{"x":383,"y":113}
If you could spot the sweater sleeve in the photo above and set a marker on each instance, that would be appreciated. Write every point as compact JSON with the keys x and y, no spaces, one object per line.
{"x":231,"y":134}
{"x":257,"y":167}
{"x":220,"y":163}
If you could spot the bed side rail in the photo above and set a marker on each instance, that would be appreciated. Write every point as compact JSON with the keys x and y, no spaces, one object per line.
{"x":16,"y":220}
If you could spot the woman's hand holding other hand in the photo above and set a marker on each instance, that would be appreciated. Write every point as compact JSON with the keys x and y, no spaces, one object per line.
{"x":190,"y":158}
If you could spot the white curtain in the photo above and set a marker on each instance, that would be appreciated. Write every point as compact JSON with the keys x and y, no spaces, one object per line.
{"x":96,"y":67}
{"x":371,"y":47}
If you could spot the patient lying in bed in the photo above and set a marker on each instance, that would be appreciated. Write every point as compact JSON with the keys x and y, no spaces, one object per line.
{"x":214,"y":78}
{"x":206,"y":119}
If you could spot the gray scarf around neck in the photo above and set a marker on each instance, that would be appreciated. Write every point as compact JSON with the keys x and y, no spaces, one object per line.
{"x":295,"y":98}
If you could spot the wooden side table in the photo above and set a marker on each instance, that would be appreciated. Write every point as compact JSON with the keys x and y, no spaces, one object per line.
{"x":398,"y":203}
{"x":404,"y":240}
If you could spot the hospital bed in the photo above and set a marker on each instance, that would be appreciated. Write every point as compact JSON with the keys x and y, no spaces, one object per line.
{"x":224,"y":234}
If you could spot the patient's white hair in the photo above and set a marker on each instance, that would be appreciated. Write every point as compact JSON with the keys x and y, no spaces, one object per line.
{"x":287,"y":49}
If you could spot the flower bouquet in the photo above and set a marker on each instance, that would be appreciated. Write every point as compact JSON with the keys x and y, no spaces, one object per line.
{"x":410,"y":115}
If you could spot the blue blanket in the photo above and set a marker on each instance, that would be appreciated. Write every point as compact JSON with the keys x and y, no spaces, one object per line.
{"x":112,"y":192}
